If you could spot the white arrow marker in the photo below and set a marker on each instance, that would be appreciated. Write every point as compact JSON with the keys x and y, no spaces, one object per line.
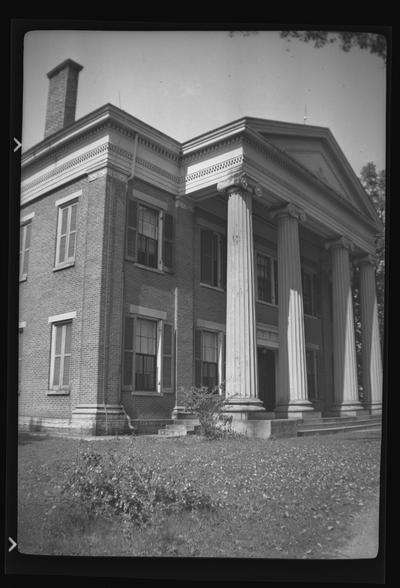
{"x":18,"y":145}
{"x":13,"y":544}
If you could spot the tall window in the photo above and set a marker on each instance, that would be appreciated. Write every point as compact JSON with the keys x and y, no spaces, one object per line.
{"x":60,"y":365}
{"x":308,"y":292}
{"x":209,"y":360}
{"x":20,"y":346}
{"x":148,"y":352}
{"x":212,"y":259}
{"x":149,"y":236}
{"x":312,"y":380}
{"x":267,"y":279}
{"x":24,"y":246}
{"x":66,"y":234}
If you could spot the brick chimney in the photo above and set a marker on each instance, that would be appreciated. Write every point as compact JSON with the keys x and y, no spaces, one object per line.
{"x":61,"y":101}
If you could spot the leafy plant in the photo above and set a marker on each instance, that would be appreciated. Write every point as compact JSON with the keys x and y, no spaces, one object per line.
{"x":209,"y":406}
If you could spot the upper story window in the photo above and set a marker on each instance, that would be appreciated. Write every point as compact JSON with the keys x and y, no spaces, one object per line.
{"x":212,"y":258}
{"x":149,"y":236}
{"x":308,"y":285}
{"x":66,"y":234}
{"x":24,"y":248}
{"x":267,"y":279}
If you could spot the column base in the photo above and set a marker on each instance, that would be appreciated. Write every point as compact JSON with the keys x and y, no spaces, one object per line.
{"x":244,"y":405}
{"x":99,"y":419}
{"x":373,"y":407}
{"x":294,"y":410}
{"x":346,"y":409}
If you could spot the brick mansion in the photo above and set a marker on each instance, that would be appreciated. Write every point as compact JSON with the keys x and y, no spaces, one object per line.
{"x":148,"y":266}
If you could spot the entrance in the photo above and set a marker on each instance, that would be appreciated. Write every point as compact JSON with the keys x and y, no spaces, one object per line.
{"x":266,"y":377}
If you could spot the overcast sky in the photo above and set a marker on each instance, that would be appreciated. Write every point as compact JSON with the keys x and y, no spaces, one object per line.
{"x":187,"y":83}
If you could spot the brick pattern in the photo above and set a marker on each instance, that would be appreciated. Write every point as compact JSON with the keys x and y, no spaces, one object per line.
{"x":61,"y":101}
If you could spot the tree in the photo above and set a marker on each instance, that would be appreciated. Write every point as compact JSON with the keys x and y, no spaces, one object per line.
{"x":373,"y":183}
{"x":372,"y":42}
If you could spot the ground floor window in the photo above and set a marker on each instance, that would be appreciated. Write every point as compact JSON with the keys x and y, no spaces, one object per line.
{"x":312,"y":374}
{"x":209,"y":359}
{"x":148,"y":347}
{"x":60,"y":360}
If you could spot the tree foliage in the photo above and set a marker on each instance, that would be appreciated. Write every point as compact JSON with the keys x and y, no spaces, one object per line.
{"x":374,"y":183}
{"x":371,"y":42}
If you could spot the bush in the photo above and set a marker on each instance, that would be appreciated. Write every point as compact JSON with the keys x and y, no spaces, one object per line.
{"x":208,"y":406}
{"x":109,"y":486}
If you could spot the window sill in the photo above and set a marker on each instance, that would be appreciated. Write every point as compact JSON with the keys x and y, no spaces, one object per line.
{"x":156,"y":270}
{"x":146,"y":393}
{"x":216,"y":288}
{"x":63,"y":266}
{"x":58,"y":392}
{"x":311,"y":316}
{"x":23,"y":278}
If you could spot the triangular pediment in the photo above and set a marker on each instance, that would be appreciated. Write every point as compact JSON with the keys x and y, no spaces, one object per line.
{"x":316,"y":150}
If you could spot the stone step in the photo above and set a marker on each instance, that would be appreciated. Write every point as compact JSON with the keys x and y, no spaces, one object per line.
{"x":338,"y":429}
{"x":338,"y":422}
{"x":172,"y":433}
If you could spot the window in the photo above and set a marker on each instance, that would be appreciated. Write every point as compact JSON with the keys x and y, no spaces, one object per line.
{"x":148,"y":353}
{"x":24,"y":246}
{"x":66,"y":234}
{"x":312,"y":380}
{"x":20,"y":347}
{"x":149,"y":236}
{"x":60,"y":366}
{"x":267,"y":279}
{"x":212,"y":259}
{"x":209,"y":359}
{"x":308,"y":292}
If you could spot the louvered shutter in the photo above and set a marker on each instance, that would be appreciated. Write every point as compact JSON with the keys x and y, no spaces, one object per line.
{"x":167,"y":356}
{"x":168,"y":242}
{"x":197,"y":358}
{"x":131,"y":229}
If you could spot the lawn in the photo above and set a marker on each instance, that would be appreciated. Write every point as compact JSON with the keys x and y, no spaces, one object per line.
{"x":290,"y":498}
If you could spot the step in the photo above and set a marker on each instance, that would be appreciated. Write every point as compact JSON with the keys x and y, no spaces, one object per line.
{"x":331,"y":430}
{"x":339,"y":422}
{"x":171,"y":433}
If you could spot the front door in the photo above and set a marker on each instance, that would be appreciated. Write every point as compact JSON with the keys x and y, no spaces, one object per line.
{"x":266,"y":377}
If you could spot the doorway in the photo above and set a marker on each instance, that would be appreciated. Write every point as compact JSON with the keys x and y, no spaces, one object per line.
{"x":266,"y":377}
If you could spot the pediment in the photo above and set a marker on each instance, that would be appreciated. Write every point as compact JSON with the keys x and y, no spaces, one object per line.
{"x":315,"y":149}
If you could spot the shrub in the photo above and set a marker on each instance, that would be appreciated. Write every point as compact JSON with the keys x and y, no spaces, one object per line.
{"x":208,"y":406}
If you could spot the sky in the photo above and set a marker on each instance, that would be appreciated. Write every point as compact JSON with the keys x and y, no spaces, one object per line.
{"x":185,"y":83}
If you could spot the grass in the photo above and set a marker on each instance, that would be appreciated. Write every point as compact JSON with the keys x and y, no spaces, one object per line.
{"x":291,"y":498}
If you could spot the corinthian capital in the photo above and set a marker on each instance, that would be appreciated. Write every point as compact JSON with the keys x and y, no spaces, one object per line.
{"x":288,"y":209}
{"x":239,"y":181}
{"x":341,"y":243}
{"x":366,"y":259}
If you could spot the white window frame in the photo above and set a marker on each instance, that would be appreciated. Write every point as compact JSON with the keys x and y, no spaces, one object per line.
{"x":25,"y":222}
{"x":272,"y":259}
{"x":57,"y":323}
{"x":159,"y":317}
{"x":208,"y":328}
{"x":63,"y":204}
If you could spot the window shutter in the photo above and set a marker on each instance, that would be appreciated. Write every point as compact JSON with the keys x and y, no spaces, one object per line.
{"x":276,"y":278}
{"x":131,"y":229}
{"x":197,"y":357}
{"x":168,"y":242}
{"x":206,"y":256}
{"x":167,"y":356}
{"x":128,"y":379}
{"x":223,"y":262}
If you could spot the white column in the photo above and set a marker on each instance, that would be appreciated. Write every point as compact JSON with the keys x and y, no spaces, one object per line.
{"x":241,"y":346}
{"x":292,"y":398}
{"x":371,"y":348}
{"x":344,"y":348}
